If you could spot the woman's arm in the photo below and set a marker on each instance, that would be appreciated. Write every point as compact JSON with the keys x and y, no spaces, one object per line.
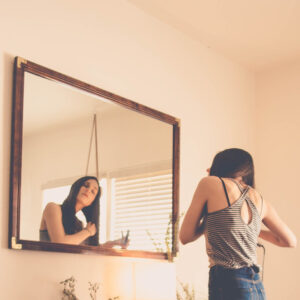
{"x":53,"y":218}
{"x":277,"y":232}
{"x":193,"y":226}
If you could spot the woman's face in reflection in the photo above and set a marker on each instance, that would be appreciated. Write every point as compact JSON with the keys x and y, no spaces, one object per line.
{"x":87,"y":193}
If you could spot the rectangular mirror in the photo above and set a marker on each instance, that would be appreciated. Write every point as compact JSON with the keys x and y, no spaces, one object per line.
{"x":64,"y":129}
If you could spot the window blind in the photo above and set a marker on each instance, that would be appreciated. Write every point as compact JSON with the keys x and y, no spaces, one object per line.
{"x":143,"y":205}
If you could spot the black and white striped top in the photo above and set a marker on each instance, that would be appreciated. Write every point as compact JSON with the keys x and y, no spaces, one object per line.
{"x":230,"y":242}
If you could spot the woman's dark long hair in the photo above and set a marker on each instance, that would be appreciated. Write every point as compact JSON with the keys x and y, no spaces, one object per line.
{"x":232,"y":163}
{"x":70,"y":222}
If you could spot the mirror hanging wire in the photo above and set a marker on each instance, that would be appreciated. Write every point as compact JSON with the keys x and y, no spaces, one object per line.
{"x":93,"y":133}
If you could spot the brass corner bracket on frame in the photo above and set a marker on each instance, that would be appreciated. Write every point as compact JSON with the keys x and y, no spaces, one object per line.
{"x":20,"y":61}
{"x":14,"y":244}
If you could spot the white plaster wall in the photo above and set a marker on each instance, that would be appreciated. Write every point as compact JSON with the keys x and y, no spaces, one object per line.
{"x":278,"y":165}
{"x":113,"y":45}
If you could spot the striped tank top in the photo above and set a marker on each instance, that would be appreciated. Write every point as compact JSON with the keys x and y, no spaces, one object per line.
{"x":230,"y":242}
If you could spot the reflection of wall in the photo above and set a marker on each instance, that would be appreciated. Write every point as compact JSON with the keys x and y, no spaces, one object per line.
{"x":114,"y":45}
{"x":278,"y":149}
{"x":48,"y":156}
{"x":126,"y":139}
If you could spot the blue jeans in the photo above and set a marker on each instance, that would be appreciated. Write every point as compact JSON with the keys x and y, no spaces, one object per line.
{"x":235,"y":284}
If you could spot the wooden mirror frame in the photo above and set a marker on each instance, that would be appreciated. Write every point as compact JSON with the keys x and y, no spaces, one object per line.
{"x":20,"y":67}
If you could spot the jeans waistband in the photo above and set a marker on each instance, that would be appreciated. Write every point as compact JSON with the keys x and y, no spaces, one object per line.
{"x":251,"y":269}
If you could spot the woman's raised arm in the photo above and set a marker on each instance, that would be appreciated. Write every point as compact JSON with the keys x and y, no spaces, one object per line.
{"x":53,"y":219}
{"x":278,"y":233}
{"x":192,"y":227}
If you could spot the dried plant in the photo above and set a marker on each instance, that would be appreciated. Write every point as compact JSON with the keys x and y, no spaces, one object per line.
{"x":168,"y":238}
{"x":157,"y":244}
{"x":185,"y":292}
{"x":69,"y":289}
{"x":93,"y":289}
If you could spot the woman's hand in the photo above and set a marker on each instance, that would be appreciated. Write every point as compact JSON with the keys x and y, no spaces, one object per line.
{"x":123,"y":242}
{"x":52,"y":216}
{"x":91,"y":228}
{"x":119,"y":242}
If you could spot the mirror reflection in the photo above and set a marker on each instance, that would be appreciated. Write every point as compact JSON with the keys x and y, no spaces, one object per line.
{"x":68,"y":134}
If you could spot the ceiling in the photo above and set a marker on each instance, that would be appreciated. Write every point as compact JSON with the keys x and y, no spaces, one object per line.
{"x":258,"y":34}
{"x":50,"y":104}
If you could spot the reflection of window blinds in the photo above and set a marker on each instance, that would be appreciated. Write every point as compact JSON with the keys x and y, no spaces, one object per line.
{"x":143,"y":205}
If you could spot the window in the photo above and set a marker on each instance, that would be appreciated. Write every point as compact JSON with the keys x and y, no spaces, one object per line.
{"x":143,"y":205}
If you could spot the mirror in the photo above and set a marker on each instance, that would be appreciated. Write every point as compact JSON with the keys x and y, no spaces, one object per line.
{"x":64,"y":129}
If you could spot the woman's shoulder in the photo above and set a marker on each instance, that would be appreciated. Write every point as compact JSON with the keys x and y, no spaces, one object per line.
{"x":209,"y":183}
{"x":52,"y":207}
{"x":209,"y":180}
{"x":255,"y":195}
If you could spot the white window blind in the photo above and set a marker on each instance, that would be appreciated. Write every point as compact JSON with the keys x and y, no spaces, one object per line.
{"x":143,"y":205}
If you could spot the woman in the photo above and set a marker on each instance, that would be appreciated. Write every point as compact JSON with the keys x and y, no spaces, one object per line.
{"x":59,"y":223}
{"x":228,"y":211}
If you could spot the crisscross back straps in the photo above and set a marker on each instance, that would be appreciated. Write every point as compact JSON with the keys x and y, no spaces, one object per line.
{"x":262,"y":204}
{"x":237,"y":184}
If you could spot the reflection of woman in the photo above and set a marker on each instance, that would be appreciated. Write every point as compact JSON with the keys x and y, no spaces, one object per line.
{"x":228,"y":211}
{"x":59,"y":223}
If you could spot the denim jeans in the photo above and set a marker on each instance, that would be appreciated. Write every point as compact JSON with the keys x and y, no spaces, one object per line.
{"x":235,"y":284}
